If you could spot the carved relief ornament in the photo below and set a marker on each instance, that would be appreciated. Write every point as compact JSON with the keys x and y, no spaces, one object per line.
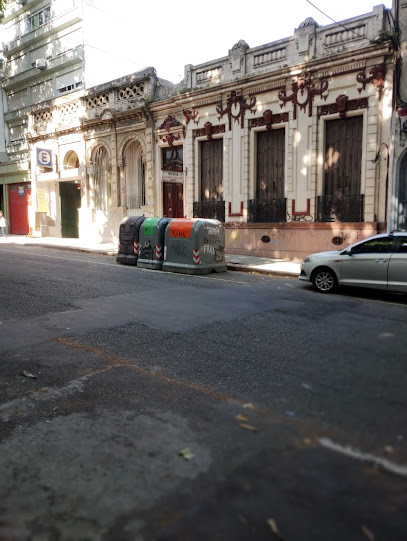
{"x":170,"y":130}
{"x":190,"y":115}
{"x":236,"y":108}
{"x":209,"y":130}
{"x":268,"y":119}
{"x":303,"y":94}
{"x":342,"y":105}
{"x":376,"y":77}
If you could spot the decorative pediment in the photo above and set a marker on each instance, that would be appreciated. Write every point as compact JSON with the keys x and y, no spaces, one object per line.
{"x":170,"y":130}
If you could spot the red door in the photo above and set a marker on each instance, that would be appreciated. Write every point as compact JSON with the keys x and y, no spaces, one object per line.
{"x":173,"y":193}
{"x":20,"y":200}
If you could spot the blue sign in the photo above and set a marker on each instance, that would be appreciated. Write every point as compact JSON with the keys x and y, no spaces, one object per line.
{"x":44,"y":157}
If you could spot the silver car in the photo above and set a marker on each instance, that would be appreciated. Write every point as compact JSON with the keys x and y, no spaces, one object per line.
{"x":379,"y":262}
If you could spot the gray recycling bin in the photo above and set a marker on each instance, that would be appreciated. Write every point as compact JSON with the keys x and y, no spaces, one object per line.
{"x":129,"y":240}
{"x":151,"y":238}
{"x":194,"y":246}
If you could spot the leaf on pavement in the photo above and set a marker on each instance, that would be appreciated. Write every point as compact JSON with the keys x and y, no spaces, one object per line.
{"x":241,"y":417}
{"x":248,"y":427}
{"x":368,"y":533}
{"x":186,"y":453}
{"x":249,"y":405}
{"x":28,"y":375}
{"x":273,"y":525}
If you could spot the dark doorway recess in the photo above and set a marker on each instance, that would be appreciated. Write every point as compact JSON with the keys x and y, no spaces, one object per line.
{"x":70,"y":195}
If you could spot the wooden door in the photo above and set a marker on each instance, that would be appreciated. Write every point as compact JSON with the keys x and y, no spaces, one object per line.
{"x":212,"y":170}
{"x":173,"y":199}
{"x":270,"y":164}
{"x":343,"y":156}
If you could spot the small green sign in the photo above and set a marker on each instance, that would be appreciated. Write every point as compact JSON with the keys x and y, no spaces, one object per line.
{"x":149,"y":225}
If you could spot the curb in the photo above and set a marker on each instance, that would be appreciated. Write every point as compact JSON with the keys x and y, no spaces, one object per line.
{"x":255,"y":270}
{"x":230,"y":266}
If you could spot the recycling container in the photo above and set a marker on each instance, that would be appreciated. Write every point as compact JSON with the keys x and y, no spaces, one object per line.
{"x":151,"y":240}
{"x":194,"y":246}
{"x":129,"y":240}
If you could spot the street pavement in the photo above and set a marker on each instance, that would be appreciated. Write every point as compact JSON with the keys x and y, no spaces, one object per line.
{"x":151,"y":406}
{"x":244,"y":263}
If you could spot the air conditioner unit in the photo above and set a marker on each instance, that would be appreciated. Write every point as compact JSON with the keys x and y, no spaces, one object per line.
{"x":41,"y":63}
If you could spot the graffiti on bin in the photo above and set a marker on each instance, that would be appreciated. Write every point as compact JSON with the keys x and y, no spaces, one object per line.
{"x":210,"y":246}
{"x":178,"y":248}
{"x":146,"y":251}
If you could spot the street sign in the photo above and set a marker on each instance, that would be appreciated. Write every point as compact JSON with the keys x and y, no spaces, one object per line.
{"x":44,"y":157}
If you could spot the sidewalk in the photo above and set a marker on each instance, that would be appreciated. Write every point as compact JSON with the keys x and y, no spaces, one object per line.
{"x":242,"y":263}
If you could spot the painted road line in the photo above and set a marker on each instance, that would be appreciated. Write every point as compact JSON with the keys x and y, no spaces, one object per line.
{"x":347,"y":450}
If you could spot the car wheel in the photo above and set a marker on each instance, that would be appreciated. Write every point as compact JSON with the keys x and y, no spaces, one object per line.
{"x":324,"y":280}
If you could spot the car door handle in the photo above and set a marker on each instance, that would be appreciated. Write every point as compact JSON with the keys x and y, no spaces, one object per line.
{"x":380,"y":260}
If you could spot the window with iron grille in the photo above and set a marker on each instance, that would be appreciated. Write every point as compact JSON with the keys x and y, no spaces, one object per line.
{"x":102,"y":179}
{"x":135,"y":176}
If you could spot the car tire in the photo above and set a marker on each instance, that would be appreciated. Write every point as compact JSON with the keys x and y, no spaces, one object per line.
{"x":324,"y":280}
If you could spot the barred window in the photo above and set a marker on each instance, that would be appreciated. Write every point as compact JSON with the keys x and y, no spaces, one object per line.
{"x":102,"y":179}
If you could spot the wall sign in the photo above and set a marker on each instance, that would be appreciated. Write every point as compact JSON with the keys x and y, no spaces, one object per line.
{"x":44,"y":157}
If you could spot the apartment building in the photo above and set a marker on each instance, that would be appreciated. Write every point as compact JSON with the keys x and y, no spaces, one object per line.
{"x":52,"y":50}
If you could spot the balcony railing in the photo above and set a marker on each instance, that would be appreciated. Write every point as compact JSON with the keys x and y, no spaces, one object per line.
{"x":348,"y":208}
{"x":267,"y":210}
{"x":210,"y":210}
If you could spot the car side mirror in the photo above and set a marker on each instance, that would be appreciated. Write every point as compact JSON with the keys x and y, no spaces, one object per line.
{"x":349,"y":251}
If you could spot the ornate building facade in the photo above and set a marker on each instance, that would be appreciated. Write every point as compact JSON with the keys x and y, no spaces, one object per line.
{"x":289,"y":144}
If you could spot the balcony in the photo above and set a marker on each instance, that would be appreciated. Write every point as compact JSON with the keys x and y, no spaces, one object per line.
{"x":210,"y":210}
{"x":267,"y":210}
{"x":348,"y":208}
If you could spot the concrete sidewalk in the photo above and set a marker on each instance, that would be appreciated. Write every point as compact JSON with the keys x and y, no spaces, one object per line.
{"x":242,"y":263}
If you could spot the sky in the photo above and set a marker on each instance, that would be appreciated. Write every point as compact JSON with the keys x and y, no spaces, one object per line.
{"x":169,"y":35}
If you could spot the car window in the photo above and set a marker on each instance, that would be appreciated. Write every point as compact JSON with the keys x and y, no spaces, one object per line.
{"x":403,"y":245}
{"x":381,"y":245}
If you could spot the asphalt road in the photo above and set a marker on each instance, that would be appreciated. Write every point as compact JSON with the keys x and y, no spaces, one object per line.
{"x":221,"y":407}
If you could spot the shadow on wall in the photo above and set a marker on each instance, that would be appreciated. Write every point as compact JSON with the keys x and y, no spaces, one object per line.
{"x":292,"y":241}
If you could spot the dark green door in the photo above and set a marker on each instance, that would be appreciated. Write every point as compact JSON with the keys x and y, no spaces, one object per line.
{"x":70,"y":203}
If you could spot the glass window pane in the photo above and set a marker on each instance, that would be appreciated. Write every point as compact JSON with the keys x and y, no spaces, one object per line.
{"x":374,"y":246}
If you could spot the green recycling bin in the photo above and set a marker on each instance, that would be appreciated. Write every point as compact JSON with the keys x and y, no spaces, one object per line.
{"x":194,"y":246}
{"x":151,"y":240}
